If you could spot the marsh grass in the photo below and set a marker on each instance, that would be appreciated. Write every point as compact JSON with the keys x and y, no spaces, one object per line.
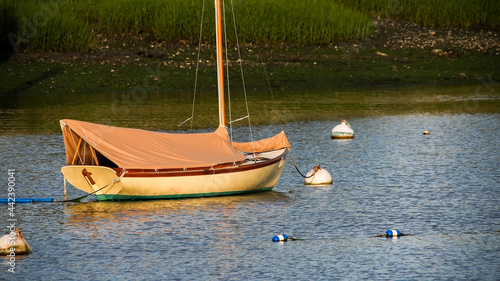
{"x":293,"y":21}
{"x":468,"y":14}
{"x":36,"y":25}
{"x":74,"y":25}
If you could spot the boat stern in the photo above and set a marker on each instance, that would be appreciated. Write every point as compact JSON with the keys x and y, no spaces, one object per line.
{"x":91,"y":179}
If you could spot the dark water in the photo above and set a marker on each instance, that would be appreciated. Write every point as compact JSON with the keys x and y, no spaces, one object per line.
{"x":443,"y":189}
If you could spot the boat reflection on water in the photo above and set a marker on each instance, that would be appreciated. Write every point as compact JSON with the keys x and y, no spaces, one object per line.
{"x":164,"y":216}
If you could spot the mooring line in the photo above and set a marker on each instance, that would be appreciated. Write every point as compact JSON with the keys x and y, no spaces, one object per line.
{"x":297,"y":168}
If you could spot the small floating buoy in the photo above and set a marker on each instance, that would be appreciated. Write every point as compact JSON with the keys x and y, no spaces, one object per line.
{"x":280,"y":238}
{"x":342,"y":131}
{"x":393,"y":233}
{"x":14,"y":243}
{"x":426,"y":132}
{"x":318,"y":176}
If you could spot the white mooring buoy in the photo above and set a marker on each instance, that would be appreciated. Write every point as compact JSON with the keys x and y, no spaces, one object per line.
{"x":318,"y":176}
{"x":342,"y":131}
{"x":14,"y":243}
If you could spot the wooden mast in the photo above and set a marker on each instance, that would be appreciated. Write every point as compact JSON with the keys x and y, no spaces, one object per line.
{"x":220,"y":66}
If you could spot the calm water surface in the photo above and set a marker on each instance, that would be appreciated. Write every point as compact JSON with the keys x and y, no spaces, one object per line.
{"x":443,"y":189}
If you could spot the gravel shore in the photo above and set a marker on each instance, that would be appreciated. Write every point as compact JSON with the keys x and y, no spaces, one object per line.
{"x":391,"y":34}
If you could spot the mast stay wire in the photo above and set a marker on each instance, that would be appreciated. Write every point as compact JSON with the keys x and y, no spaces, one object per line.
{"x":197,"y":67}
{"x":269,"y":84}
{"x":242,"y":76}
{"x":282,"y":123}
{"x":227,"y":71}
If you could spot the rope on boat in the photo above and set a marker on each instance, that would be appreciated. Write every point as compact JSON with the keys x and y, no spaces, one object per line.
{"x":297,"y":168}
{"x":248,"y":116}
{"x":185,"y":121}
{"x":112,"y":183}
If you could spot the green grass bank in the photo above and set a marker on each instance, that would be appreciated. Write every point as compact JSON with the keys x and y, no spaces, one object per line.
{"x":122,"y":46}
{"x":467,"y":14}
{"x":80,"y":25}
{"x":73,"y":25}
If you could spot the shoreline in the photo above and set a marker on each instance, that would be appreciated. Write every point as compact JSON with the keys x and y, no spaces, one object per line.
{"x":398,"y":53}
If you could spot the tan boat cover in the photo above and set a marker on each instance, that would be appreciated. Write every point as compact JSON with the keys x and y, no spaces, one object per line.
{"x":277,"y":142}
{"x":142,"y":149}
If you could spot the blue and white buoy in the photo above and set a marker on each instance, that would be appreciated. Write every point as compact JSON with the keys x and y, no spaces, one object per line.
{"x":393,"y":233}
{"x":280,"y":238}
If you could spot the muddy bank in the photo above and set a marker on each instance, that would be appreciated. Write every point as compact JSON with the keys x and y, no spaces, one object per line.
{"x":397,"y":53}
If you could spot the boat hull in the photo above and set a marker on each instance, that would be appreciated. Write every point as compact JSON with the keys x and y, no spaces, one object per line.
{"x":143,"y":185}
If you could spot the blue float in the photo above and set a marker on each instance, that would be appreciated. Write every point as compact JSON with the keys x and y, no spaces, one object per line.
{"x":43,"y":200}
{"x":24,"y":200}
{"x":280,"y":238}
{"x":393,"y":233}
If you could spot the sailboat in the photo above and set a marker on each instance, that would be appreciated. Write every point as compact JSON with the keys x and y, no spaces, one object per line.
{"x":132,"y":164}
